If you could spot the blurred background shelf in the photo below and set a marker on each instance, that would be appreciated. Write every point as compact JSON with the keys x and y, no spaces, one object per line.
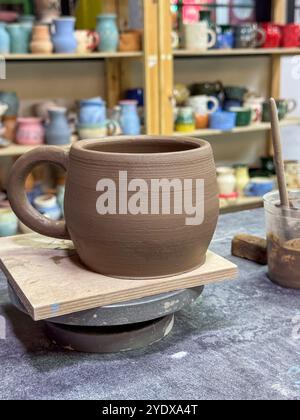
{"x":264,"y":126}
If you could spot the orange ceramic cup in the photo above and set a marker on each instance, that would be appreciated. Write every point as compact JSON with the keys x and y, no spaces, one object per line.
{"x":202,"y":121}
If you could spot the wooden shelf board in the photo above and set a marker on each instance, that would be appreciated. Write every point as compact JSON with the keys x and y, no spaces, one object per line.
{"x":54,"y":57}
{"x":237,"y":52}
{"x":251,"y":128}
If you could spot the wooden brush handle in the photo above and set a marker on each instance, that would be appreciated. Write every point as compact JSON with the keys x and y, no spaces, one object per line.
{"x":278,"y":159}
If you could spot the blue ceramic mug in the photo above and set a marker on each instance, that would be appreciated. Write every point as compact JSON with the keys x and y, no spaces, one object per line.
{"x":258,"y":187}
{"x":223,"y":120}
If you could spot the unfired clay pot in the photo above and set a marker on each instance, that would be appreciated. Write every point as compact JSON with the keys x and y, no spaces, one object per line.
{"x":126,"y":245}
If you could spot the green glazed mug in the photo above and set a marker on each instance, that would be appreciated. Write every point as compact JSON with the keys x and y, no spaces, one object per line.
{"x":243,"y":116}
{"x":284,"y":106}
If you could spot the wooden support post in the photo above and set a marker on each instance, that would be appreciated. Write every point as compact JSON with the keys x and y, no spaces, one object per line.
{"x":113,"y":81}
{"x":151,"y":70}
{"x":166,"y":68}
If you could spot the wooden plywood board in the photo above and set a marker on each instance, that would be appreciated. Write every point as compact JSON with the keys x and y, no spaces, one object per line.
{"x":50,"y":280}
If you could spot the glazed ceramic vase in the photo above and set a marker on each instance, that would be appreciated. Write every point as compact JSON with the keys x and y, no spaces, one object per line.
{"x":4,"y":39}
{"x":108,"y":31}
{"x":8,"y":222}
{"x":30,"y":131}
{"x":131,"y":237}
{"x":20,"y":35}
{"x":87,"y":41}
{"x":64,"y":39}
{"x":129,"y":118}
{"x":47,"y":10}
{"x":57,"y":130}
{"x":41,"y":40}
{"x":12,"y":101}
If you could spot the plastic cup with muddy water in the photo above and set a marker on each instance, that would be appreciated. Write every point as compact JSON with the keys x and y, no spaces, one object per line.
{"x":283,"y":238}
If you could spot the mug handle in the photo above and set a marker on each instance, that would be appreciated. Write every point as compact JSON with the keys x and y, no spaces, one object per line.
{"x":17,"y":195}
{"x":213,"y":37}
{"x":292,"y":105}
{"x":263,"y":34}
{"x":215,"y":103}
{"x":95,"y":40}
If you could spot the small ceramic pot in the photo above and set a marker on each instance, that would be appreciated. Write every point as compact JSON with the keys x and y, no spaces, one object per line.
{"x":30,"y":131}
{"x":242,"y":178}
{"x":185,"y":121}
{"x":256,"y":105}
{"x":48,"y":206}
{"x":12,"y":101}
{"x":258,"y":187}
{"x":129,"y":118}
{"x":130,"y":41}
{"x":10,"y":126}
{"x":127,"y":244}
{"x":8,"y":222}
{"x":63,"y":39}
{"x":47,"y":10}
{"x":108,"y":31}
{"x":223,"y":120}
{"x":97,"y":131}
{"x":136,"y":94}
{"x":284,"y":106}
{"x":243,"y":116}
{"x":225,"y":37}
{"x":226,"y":180}
{"x":4,"y":39}
{"x":58,"y":132}
{"x":87,"y":41}
{"x":41,"y":40}
{"x":19,"y":38}
{"x":232,"y":103}
{"x":92,"y":111}
{"x":236,"y":93}
{"x":181,"y":93}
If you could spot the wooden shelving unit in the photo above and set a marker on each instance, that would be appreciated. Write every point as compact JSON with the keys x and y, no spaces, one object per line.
{"x":238,"y":130}
{"x":56,"y":57}
{"x":237,"y":52}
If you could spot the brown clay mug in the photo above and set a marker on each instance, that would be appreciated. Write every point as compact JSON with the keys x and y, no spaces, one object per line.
{"x":146,"y":243}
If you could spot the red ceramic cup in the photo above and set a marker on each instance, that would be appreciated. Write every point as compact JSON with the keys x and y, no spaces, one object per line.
{"x":273,"y":35}
{"x":291,"y":36}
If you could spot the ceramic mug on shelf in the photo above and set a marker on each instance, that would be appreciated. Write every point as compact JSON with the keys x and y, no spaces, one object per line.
{"x":273,"y":35}
{"x":199,"y":37}
{"x":185,"y":120}
{"x":87,"y":41}
{"x":249,"y":35}
{"x":255,"y":103}
{"x":284,"y":106}
{"x":291,"y":36}
{"x":132,"y":242}
{"x":203,"y":106}
{"x":223,"y":120}
{"x":243,"y":116}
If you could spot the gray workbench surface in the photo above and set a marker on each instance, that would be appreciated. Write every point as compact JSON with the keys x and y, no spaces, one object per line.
{"x":240,"y":341}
